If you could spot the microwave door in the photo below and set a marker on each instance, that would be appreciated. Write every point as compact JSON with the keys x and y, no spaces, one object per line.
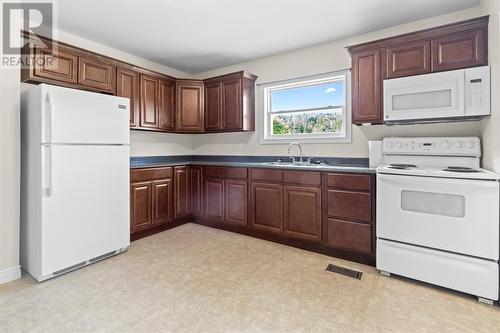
{"x":423,"y":97}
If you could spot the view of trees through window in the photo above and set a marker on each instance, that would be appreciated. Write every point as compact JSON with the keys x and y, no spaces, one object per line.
{"x":308,"y":108}
{"x":307,"y":122}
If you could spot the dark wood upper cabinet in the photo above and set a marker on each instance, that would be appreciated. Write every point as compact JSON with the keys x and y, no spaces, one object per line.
{"x":459,"y":50}
{"x":141,"y":199}
{"x":127,"y":85}
{"x":366,"y":87}
{"x":166,"y":105}
{"x":60,"y":66}
{"x":235,"y":202}
{"x":213,"y":107}
{"x":448,"y":47}
{"x":149,"y":87}
{"x":230,"y":102}
{"x":266,"y":207}
{"x":163,"y":201}
{"x":96,"y":74}
{"x":195,"y":190}
{"x":181,"y":192}
{"x":302,"y":212}
{"x":158,"y":102}
{"x":214,"y":198}
{"x":189,"y":117}
{"x":408,"y":59}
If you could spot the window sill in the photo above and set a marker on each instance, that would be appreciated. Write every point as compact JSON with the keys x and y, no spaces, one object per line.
{"x":286,"y":141}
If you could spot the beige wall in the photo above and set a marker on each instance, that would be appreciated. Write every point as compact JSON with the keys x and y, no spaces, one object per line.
{"x":320,"y":59}
{"x":491,"y":126}
{"x":9,"y":172}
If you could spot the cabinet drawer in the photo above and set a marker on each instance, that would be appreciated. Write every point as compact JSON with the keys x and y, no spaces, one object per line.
{"x":349,"y":235}
{"x":272,"y":175}
{"x":350,"y":205}
{"x":302,"y":177}
{"x":349,"y":181}
{"x":138,"y":175}
{"x":226,"y":172}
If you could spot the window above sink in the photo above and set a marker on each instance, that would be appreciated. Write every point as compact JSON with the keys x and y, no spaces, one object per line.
{"x":313,"y":109}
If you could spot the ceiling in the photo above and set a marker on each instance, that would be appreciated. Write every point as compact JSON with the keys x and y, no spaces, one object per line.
{"x":198,"y":35}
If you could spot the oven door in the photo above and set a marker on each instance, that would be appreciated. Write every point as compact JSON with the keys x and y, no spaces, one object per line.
{"x":437,"y":95}
{"x":456,"y":215}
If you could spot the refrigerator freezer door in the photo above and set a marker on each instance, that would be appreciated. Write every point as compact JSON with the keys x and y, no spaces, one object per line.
{"x":81,"y":117}
{"x":85,"y":205}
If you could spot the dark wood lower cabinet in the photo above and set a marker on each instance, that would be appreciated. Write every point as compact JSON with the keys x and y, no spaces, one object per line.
{"x":195,"y":185}
{"x":214,"y":198}
{"x":267,"y":207}
{"x":163,"y":194}
{"x":235,"y":202}
{"x":181,"y":198}
{"x":141,"y":198}
{"x":302,"y":212}
{"x":331,"y":213}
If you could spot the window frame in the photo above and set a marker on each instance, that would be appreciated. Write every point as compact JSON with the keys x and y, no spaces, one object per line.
{"x":266,"y":115}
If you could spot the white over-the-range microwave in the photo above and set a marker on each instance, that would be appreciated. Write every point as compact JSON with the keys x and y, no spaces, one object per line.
{"x":446,"y":96}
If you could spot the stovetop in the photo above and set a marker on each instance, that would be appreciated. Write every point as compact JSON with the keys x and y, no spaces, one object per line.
{"x":460,"y":172}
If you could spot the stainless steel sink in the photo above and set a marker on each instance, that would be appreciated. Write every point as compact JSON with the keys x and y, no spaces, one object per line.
{"x":298,"y":164}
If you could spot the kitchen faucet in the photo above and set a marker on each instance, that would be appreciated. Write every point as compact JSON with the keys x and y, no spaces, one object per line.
{"x":300,"y":151}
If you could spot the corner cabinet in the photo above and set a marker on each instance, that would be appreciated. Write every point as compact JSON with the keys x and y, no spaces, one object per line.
{"x":448,"y":47}
{"x":189,"y":111}
{"x":230,"y":103}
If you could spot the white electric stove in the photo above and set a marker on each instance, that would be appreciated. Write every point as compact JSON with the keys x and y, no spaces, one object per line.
{"x":438,"y":214}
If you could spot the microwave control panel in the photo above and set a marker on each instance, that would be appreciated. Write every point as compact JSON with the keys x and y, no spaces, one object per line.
{"x":477,"y":91}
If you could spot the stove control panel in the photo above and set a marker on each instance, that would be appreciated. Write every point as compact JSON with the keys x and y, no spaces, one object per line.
{"x":446,"y":146}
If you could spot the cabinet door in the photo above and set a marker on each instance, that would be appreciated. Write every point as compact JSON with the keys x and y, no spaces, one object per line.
{"x":149,"y":102}
{"x":141,"y":195}
{"x":61,"y":66}
{"x":127,"y":85}
{"x":231,"y":105}
{"x":95,"y":74}
{"x":214,"y":198}
{"x":408,"y":59}
{"x":213,"y":107}
{"x":166,"y":105}
{"x":181,"y":194}
{"x":267,"y":207}
{"x":302,"y":207}
{"x":189,"y":107}
{"x":163,"y":201}
{"x":460,"y":50}
{"x":366,"y":87}
{"x":235,"y":202}
{"x":195,"y":189}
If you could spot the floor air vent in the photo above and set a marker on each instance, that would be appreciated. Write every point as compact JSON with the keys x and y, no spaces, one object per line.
{"x":344,"y":271}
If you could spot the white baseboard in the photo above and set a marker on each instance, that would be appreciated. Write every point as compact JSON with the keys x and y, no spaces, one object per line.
{"x":10,"y":274}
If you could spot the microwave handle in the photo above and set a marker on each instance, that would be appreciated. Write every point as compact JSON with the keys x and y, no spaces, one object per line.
{"x":461,"y":92}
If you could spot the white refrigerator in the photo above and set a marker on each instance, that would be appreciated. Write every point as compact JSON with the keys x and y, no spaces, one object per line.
{"x":74,"y":179}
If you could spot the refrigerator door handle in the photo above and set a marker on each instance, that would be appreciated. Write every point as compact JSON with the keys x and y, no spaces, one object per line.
{"x":49,"y":116}
{"x":46,"y":170}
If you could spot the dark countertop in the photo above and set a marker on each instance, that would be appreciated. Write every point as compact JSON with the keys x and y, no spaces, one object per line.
{"x":352,"y":165}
